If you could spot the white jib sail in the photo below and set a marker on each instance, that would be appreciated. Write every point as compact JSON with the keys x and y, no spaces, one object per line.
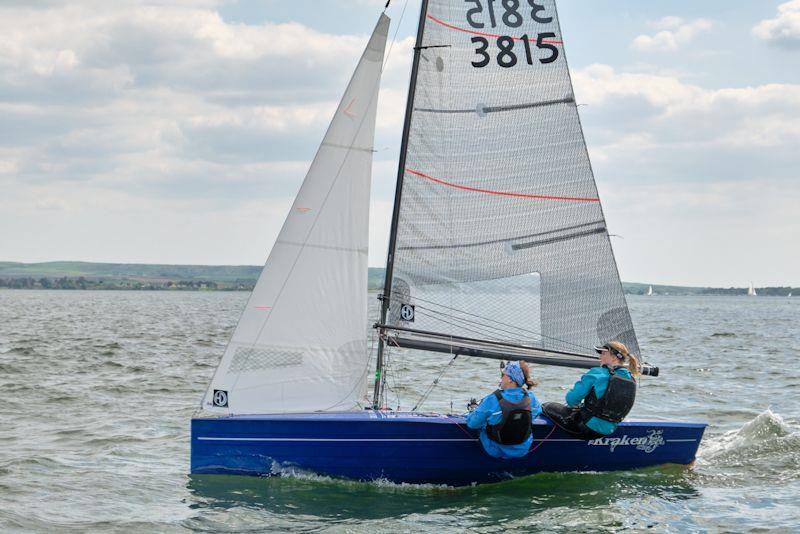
{"x":300,"y":344}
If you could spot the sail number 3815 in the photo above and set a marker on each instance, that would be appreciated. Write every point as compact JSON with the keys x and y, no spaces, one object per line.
{"x":511,"y":14}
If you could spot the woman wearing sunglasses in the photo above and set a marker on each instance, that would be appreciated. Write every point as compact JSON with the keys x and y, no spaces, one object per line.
{"x":601,"y":399}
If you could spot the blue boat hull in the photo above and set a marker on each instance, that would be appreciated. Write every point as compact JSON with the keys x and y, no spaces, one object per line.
{"x":420,"y":448}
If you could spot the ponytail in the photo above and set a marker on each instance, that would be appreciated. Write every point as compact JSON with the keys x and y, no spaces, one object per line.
{"x":629,"y":360}
{"x":529,"y":381}
{"x":632,"y":363}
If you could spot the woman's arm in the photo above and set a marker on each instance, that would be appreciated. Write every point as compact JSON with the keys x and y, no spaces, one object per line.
{"x":581,"y":388}
{"x":478,"y":417}
{"x":536,"y":406}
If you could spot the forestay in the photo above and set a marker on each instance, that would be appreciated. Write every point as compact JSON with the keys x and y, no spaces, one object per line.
{"x":299,"y":345}
{"x":500,"y":232}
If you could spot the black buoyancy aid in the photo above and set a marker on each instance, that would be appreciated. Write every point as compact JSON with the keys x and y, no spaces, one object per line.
{"x":615,"y":403}
{"x":515,"y":426}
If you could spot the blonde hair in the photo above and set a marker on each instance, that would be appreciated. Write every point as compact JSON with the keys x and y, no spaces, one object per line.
{"x":529,"y":381}
{"x":630,"y":361}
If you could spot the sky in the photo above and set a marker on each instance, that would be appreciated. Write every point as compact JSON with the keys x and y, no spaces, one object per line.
{"x":179,"y":131}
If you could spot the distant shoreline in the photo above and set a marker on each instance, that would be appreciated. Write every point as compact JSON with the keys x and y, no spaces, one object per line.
{"x":146,"y":277}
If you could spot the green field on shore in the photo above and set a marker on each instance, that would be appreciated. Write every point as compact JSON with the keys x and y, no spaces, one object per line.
{"x":138,"y":276}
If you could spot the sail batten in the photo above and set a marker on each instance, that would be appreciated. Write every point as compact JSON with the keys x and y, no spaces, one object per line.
{"x":510,"y":239}
{"x":497,"y":109}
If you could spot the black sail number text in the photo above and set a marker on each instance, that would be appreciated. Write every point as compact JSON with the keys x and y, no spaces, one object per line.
{"x":545,"y":45}
{"x":507,"y":51}
{"x":537,"y":8}
{"x":481,"y":51}
{"x":508,"y":12}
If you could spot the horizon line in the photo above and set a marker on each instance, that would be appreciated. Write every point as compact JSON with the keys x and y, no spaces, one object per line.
{"x":655,"y":284}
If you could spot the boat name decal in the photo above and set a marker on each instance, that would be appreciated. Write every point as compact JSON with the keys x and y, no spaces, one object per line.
{"x":653,"y":440}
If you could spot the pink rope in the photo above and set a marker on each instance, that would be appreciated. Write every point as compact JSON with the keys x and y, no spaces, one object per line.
{"x":533,"y":448}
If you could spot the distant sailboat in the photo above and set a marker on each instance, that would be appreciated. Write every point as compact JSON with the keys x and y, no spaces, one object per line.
{"x":789,"y":295}
{"x":752,"y":291}
{"x":650,"y":291}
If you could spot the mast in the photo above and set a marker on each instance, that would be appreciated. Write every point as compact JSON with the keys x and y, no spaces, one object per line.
{"x":401,"y":170}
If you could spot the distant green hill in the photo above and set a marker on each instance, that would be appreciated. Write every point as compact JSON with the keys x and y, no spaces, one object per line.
{"x":130,"y":270}
{"x":87,"y":275}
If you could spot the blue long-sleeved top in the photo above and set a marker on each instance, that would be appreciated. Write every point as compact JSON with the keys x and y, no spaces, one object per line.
{"x":488,"y":412}
{"x":597,"y":378}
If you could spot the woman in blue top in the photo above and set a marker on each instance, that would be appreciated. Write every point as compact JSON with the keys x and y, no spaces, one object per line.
{"x":505,"y":416}
{"x":601,"y":399}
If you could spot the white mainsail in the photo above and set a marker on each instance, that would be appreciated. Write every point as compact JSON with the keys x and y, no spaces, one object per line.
{"x":497,"y":199}
{"x":650,"y":291}
{"x":752,"y":291}
{"x":300,"y":344}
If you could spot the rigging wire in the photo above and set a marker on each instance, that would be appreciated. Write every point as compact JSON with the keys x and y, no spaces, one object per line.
{"x":396,"y":31}
{"x":533,"y":335}
{"x":486,"y":329}
{"x":465,"y":328}
{"x":316,"y":217}
{"x":530,"y":344}
{"x":469,"y":325}
{"x":434,"y":383}
{"x":390,"y":371}
{"x":363,"y":376}
{"x":381,"y":380}
{"x":522,"y":330}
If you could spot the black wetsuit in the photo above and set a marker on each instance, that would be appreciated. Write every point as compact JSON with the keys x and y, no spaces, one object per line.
{"x":596,"y":416}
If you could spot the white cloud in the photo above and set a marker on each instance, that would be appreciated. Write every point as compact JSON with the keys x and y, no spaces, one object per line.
{"x":783,"y":30}
{"x":673,"y":33}
{"x":7,"y":166}
{"x":680,"y":113}
{"x":691,"y":171}
{"x":159,"y":131}
{"x":105,"y":92}
{"x":669,"y":226}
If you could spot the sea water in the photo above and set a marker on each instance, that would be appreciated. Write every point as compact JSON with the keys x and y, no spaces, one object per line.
{"x":97,"y":390}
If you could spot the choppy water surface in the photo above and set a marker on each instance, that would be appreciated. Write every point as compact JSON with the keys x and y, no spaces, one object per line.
{"x":98,"y":389}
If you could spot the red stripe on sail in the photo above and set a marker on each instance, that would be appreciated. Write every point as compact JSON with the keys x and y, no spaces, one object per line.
{"x":347,"y":111}
{"x":446,"y":25}
{"x":501,"y":193}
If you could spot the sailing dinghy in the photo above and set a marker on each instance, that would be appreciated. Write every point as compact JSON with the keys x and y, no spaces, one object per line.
{"x":498,"y":249}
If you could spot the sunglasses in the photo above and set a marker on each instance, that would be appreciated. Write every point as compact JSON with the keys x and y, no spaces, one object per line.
{"x":613,"y":352}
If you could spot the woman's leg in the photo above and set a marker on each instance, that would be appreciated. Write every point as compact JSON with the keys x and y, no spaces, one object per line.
{"x":584,"y":432}
{"x":569,"y":420}
{"x":561,"y":415}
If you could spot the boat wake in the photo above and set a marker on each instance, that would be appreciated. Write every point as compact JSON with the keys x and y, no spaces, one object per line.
{"x":294,"y":472}
{"x":764,"y":446}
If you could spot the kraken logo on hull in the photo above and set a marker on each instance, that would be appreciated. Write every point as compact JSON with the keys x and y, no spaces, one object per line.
{"x":653,"y":440}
